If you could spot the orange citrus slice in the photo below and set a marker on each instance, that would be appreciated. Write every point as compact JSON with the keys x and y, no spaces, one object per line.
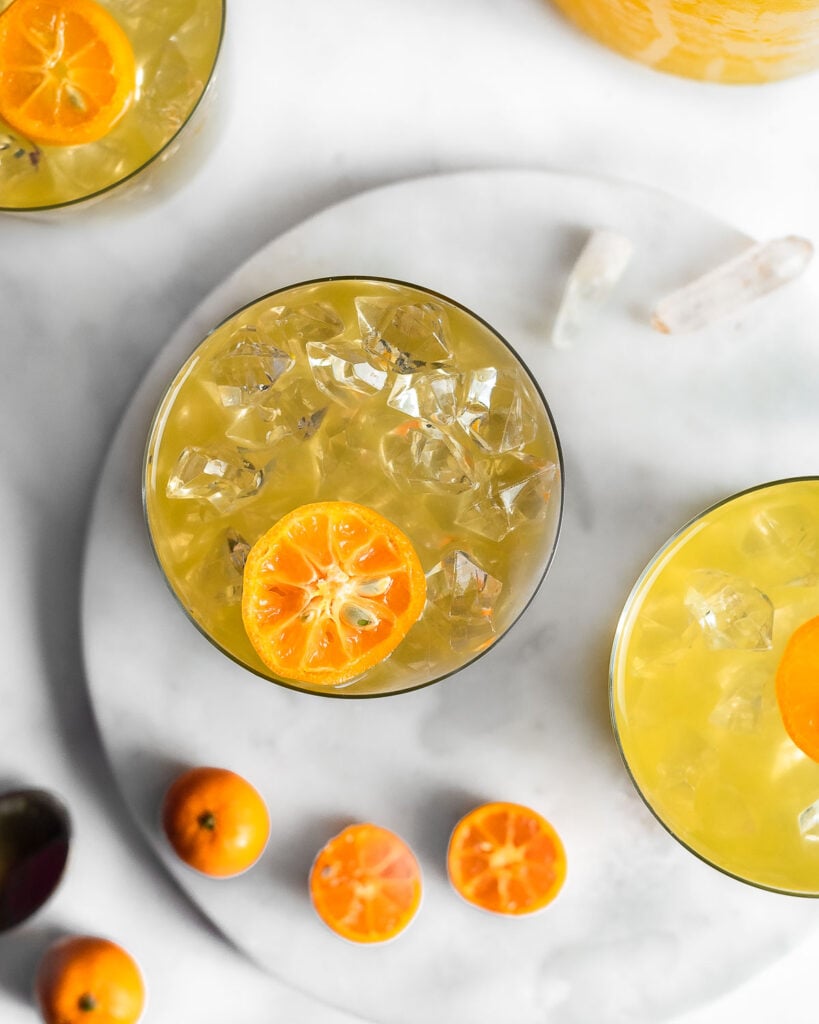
{"x":366,"y":884}
{"x":797,"y":688}
{"x":506,"y":858}
{"x":67,"y":70}
{"x":330,"y":591}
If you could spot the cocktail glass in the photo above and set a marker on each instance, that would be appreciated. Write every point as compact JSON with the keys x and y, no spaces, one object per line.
{"x":692,"y":686}
{"x":714,"y":40}
{"x":176,"y":46}
{"x":372,"y":391}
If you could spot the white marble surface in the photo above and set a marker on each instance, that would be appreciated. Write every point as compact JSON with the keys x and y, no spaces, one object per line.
{"x":538,"y":736}
{"x":318,"y":101}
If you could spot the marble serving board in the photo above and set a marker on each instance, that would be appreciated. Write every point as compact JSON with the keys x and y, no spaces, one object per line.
{"x":653,"y":429}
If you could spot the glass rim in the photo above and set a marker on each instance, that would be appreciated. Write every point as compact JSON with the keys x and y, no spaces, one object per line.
{"x":112,"y":186}
{"x":615,"y":650}
{"x":341,"y":693}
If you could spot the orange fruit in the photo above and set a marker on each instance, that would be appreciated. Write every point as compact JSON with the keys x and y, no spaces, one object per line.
{"x":330,"y":591}
{"x":67,"y":70}
{"x":506,"y":858}
{"x":215,"y":821}
{"x":797,"y":688}
{"x":83,"y":978}
{"x":366,"y":884}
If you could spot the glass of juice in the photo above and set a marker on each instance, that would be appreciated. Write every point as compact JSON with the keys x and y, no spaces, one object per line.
{"x":94,"y":92}
{"x":714,"y":40}
{"x":695,"y":698}
{"x":377,"y":393}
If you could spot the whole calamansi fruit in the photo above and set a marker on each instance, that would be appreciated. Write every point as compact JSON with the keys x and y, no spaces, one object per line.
{"x":88,"y":980}
{"x":215,"y":821}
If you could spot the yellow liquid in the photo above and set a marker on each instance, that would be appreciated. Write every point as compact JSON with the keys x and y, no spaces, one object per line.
{"x":714,"y":40}
{"x":693,"y":693}
{"x":424,"y":469}
{"x":175,"y":44}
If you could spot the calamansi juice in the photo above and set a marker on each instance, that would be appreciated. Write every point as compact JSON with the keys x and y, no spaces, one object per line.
{"x":715,"y":40}
{"x":168,"y":55}
{"x":693,"y":686}
{"x":370,"y":392}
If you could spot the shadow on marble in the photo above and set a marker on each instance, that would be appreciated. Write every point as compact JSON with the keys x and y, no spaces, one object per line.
{"x":599,"y":715}
{"x":57,"y":570}
{"x":10,"y":783}
{"x":440,"y":814}
{"x":149,"y":775}
{"x":295,"y":858}
{"x":20,"y":953}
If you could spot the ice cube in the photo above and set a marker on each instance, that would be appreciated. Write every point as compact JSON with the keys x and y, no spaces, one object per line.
{"x":343,"y":372}
{"x":467,"y":596}
{"x":430,"y":394}
{"x":663,"y":628}
{"x":687,"y":759}
{"x":795,"y":602}
{"x":135,"y":8}
{"x":731,"y":612}
{"x":292,"y":410}
{"x":316,"y":322}
{"x":733,"y":285}
{"x":809,"y":823}
{"x":250,"y":433}
{"x":218,"y":475}
{"x":738,"y":712}
{"x":170,"y":89}
{"x":513,"y":489}
{"x":244,"y":374}
{"x":523,"y":484}
{"x":172,"y":15}
{"x":418,"y":453}
{"x":746,"y":693}
{"x":307,"y":425}
{"x":261,"y":430}
{"x":484,"y":516}
{"x":593,"y":277}
{"x":292,"y":477}
{"x":19,"y":158}
{"x":219,"y":575}
{"x":662,"y":643}
{"x":351,"y":461}
{"x":788,"y":534}
{"x":495,"y":410}
{"x":403,"y":336}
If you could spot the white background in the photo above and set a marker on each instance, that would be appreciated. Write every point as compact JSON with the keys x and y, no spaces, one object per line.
{"x":316,"y":101}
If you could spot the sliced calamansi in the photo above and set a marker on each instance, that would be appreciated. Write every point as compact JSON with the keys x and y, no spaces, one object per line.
{"x":67,"y":70}
{"x":330,"y":591}
{"x":366,"y":884}
{"x":797,"y":688}
{"x":506,"y":858}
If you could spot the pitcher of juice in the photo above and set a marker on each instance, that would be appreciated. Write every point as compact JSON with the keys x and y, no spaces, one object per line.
{"x":713,"y":40}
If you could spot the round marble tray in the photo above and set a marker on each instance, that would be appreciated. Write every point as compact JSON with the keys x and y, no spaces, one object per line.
{"x":653,"y":429}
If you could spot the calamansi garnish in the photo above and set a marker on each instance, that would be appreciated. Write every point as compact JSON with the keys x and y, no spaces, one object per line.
{"x":67,"y":70}
{"x":330,"y":591}
{"x":797,"y":688}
